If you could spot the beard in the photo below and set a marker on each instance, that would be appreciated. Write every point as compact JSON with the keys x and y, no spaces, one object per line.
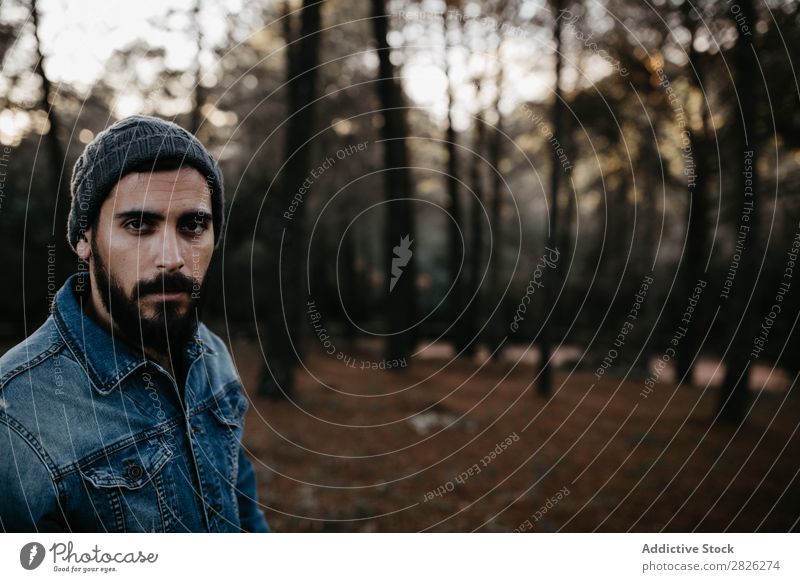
{"x":169,"y":329}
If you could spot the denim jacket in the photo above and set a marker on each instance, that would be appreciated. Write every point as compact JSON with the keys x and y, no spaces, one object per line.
{"x":94,"y":437}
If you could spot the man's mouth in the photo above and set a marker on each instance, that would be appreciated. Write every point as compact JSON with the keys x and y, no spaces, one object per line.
{"x":168,"y":295}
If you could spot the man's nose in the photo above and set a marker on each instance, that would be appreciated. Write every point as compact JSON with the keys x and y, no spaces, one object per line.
{"x":171,"y":256}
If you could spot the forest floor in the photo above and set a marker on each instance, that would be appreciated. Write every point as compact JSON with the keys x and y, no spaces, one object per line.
{"x":417,"y":449}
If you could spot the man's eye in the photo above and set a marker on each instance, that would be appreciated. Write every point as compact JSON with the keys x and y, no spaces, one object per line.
{"x":196,"y":226}
{"x":136,"y":225}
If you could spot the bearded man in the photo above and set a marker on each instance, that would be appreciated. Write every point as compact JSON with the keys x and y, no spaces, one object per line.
{"x":123,"y":412}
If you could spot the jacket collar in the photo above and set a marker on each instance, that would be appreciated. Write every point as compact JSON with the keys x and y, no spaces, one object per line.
{"x":106,"y":358}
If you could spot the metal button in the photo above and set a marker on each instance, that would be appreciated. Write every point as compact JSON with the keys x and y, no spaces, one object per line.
{"x":135,"y":471}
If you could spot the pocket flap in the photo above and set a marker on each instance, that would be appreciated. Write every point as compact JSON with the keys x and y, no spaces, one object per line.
{"x":131,"y":467}
{"x":230,"y":407}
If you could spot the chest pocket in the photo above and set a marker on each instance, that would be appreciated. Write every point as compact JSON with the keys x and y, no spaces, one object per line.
{"x":230,"y":406}
{"x":217,"y":442}
{"x":130,"y":489}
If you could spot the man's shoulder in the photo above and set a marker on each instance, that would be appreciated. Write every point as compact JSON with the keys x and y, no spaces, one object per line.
{"x":222,"y":364}
{"x":32,"y":374}
{"x":36,"y":349}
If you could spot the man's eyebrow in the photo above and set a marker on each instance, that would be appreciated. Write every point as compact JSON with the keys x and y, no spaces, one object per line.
{"x":144,"y":214}
{"x":141,"y":213}
{"x":196,"y":213}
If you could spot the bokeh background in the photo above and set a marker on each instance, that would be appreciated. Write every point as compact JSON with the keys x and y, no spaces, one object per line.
{"x":491,"y":266}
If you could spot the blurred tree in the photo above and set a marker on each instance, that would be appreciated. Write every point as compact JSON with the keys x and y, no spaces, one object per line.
{"x":455,"y":232}
{"x":284,"y":314}
{"x":494,"y":335}
{"x":507,"y":12}
{"x":696,"y":255}
{"x":199,"y":96}
{"x":743,"y":301}
{"x":401,"y":301}
{"x":779,"y":56}
{"x":545,"y":385}
{"x":477,"y":210}
{"x":48,"y":97}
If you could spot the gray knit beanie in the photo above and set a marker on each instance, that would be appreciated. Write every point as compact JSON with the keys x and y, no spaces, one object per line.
{"x":126,"y":145}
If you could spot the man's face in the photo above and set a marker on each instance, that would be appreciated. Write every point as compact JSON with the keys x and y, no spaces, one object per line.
{"x":149,"y":254}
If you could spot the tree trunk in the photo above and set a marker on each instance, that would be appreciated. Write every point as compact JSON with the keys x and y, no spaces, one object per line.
{"x":348,"y":285}
{"x":697,"y":213}
{"x":545,"y":385}
{"x":734,"y":394}
{"x":400,"y":290}
{"x":283,"y":298}
{"x":455,"y":227}
{"x":48,"y":98}
{"x":199,"y":91}
{"x":495,"y":146}
{"x":476,"y":237}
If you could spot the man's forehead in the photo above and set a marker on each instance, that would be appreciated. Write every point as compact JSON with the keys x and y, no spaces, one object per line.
{"x":185,"y":185}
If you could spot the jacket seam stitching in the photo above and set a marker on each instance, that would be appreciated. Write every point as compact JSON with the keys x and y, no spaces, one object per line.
{"x":31,"y":363}
{"x":85,"y":365}
{"x":33,"y":443}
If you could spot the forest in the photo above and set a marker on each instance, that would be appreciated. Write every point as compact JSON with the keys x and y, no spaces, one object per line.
{"x":451,"y":223}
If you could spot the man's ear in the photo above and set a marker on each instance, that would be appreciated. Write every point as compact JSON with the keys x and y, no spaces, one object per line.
{"x":84,"y":248}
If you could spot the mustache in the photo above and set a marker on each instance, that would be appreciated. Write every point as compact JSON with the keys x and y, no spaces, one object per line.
{"x":168,"y":283}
